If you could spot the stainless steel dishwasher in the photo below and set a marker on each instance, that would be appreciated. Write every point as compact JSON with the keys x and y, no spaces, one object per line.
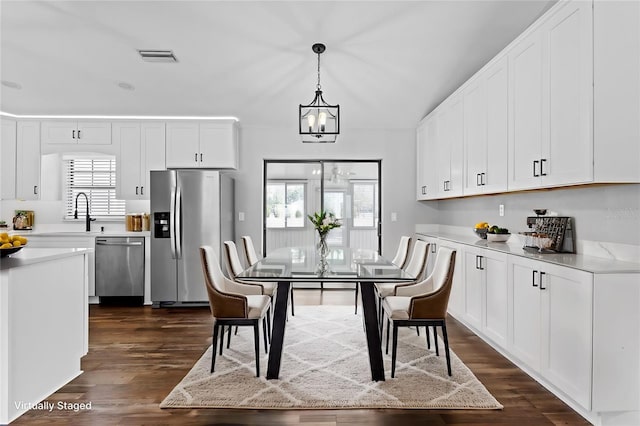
{"x":119,"y":267}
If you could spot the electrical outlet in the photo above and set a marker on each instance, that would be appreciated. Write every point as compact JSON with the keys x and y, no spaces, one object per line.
{"x":501,"y":209}
{"x":240,"y":216}
{"x":394,"y":216}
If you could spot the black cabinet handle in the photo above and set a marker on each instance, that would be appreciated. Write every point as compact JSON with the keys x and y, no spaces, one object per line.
{"x":542,"y":161}
{"x":196,"y":157}
{"x":533,"y":278}
{"x":478,"y":180}
{"x":482,"y":179}
{"x":35,"y":189}
{"x":73,"y":134}
{"x":78,"y":134}
{"x":541,"y":275}
{"x":136,"y":190}
{"x":479,"y":263}
{"x":534,"y":168}
{"x":201,"y":157}
{"x":142,"y":190}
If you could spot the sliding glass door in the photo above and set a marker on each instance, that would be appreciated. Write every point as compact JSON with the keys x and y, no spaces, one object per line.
{"x":293,"y":189}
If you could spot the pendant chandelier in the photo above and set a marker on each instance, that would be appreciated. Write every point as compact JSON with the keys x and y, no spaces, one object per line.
{"x":319,"y":122}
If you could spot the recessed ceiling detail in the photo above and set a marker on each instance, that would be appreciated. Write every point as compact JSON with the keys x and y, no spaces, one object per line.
{"x":126,"y":86}
{"x":157,"y":55}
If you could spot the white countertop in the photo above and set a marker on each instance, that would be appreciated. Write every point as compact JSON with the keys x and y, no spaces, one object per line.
{"x":36,"y":233}
{"x":596,"y":265}
{"x":29,"y":256}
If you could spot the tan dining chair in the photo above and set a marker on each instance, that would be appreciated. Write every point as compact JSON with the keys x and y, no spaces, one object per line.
{"x":233,"y":303}
{"x":249,"y":250}
{"x":415,"y":268}
{"x":235,"y":268}
{"x":423,"y":304}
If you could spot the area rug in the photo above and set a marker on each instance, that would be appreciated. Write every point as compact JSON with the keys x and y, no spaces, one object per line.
{"x":325,"y":365}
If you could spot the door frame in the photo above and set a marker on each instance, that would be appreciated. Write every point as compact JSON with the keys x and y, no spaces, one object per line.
{"x":322,"y":163}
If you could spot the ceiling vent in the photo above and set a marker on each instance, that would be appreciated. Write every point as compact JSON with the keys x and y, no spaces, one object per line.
{"x":157,"y":55}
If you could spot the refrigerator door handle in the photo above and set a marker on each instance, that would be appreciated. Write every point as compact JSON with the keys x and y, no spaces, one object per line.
{"x":178,"y":223}
{"x":172,"y":222}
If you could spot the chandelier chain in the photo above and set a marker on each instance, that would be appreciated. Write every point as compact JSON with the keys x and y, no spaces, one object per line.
{"x":318,"y":85}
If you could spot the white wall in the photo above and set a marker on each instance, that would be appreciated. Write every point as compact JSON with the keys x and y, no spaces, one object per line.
{"x":396,"y":148}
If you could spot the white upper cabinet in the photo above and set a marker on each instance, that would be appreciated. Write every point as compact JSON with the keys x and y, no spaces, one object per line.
{"x":426,"y":144}
{"x":202,"y":145}
{"x":28,"y":160}
{"x":76,"y":132}
{"x":551,"y":101}
{"x":8,"y":160}
{"x":485,"y":131}
{"x":616,"y":86}
{"x":142,"y":148}
{"x":450,"y":148}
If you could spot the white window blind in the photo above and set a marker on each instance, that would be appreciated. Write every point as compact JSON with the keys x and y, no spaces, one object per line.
{"x":96,"y":177}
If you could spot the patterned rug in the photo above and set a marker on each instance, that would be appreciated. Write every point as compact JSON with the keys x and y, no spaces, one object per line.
{"x":325,"y":364}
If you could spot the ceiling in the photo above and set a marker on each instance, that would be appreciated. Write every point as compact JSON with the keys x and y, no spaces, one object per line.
{"x":387,"y":63}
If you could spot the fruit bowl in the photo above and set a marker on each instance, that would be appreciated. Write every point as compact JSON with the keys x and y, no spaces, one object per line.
{"x":497,"y":238}
{"x":7,"y":251}
{"x":481,"y":232}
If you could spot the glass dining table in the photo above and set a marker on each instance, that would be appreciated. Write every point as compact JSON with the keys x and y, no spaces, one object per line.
{"x":346,"y":265}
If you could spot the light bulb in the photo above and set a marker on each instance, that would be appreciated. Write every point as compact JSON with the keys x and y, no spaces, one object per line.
{"x":322,"y":120}
{"x":311,"y":119}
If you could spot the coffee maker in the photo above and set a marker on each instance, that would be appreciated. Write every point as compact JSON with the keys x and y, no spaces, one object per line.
{"x":549,"y":234}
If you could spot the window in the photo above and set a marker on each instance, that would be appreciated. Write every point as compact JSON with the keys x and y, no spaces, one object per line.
{"x":96,"y":177}
{"x":285,"y":205}
{"x":365,"y":205}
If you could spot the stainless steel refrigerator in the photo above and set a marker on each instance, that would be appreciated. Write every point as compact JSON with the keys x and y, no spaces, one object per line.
{"x":190,"y":208}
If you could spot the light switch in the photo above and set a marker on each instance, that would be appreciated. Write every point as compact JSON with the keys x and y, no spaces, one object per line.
{"x":394,"y":216}
{"x":240,"y":216}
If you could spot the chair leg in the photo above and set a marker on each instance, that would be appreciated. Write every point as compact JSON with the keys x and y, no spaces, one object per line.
{"x":229,"y":336}
{"x":435,"y":340}
{"x":394,"y":350}
{"x":222,"y":339}
{"x":428,"y":338}
{"x":446,"y":346}
{"x":264,"y":332}
{"x":356,"y":300}
{"x":236,"y":332}
{"x":388,"y":326}
{"x":269,"y":324}
{"x":214,"y":346}
{"x":256,"y":339}
{"x":291,"y":298}
{"x":418,"y":330}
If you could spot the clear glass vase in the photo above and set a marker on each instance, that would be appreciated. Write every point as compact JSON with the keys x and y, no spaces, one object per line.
{"x":323,"y":251}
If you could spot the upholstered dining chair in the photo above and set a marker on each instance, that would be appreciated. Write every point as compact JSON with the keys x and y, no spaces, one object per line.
{"x":233,"y":303}
{"x":423,"y":304}
{"x":249,"y":250}
{"x":234,"y":268}
{"x":415,"y":267}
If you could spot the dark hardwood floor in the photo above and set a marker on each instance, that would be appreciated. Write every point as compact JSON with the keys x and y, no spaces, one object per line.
{"x":138,"y":354}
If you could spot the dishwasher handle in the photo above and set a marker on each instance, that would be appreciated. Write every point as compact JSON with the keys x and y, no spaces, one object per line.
{"x":106,"y":243}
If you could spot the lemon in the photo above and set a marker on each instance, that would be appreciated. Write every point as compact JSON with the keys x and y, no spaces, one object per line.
{"x":17,"y":243}
{"x":5,"y":245}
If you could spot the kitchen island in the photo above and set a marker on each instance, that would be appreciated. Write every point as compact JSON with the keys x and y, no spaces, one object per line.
{"x":43,"y":324}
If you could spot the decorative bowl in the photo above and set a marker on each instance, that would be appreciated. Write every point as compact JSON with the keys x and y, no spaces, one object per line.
{"x":7,"y":251}
{"x":498,"y":238}
{"x":481,"y":232}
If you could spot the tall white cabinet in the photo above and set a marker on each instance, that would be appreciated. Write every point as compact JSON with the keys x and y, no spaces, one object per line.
{"x":8,"y":160}
{"x":28,"y":160}
{"x":142,"y":149}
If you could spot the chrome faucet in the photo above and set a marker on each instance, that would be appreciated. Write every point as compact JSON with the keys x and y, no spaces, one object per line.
{"x":88,"y":218}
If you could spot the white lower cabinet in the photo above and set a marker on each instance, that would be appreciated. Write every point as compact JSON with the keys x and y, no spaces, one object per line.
{"x":551,"y":309}
{"x":485,"y":299}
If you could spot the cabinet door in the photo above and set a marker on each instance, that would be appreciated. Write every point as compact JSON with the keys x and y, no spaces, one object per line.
{"x":475,"y":137}
{"x":182,"y":148}
{"x":28,"y":160}
{"x":567,"y":149}
{"x":456,"y":141}
{"x":443,"y":151}
{"x":567,"y":321}
{"x":430,"y":158}
{"x":497,"y":146}
{"x":153,"y":154}
{"x":525,"y":83}
{"x":128,"y":167}
{"x":218,"y":145}
{"x":495,"y":314}
{"x":94,"y":132}
{"x":525,"y":315}
{"x":421,"y":148}
{"x":8,"y":160}
{"x":59,"y":132}
{"x":474,"y":282}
